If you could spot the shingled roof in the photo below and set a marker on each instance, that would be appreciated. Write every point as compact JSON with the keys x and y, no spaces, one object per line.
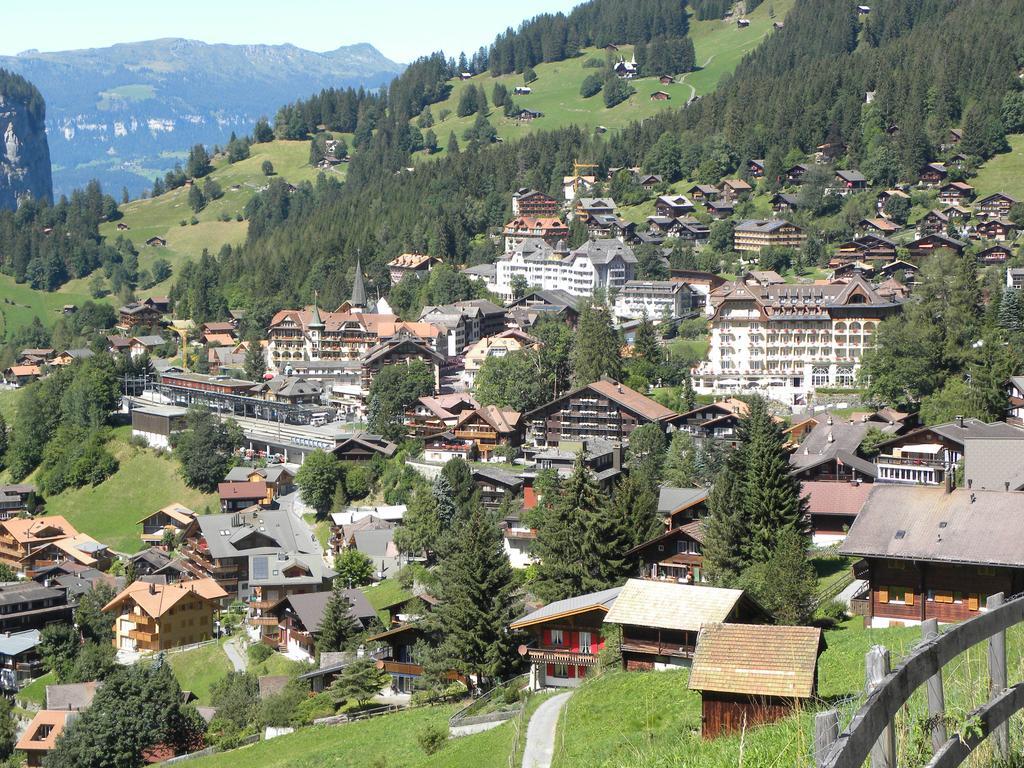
{"x":757,"y":659}
{"x":668,"y":605}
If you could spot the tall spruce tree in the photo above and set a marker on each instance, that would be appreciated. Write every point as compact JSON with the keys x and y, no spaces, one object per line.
{"x":559,"y":545}
{"x":338,"y":625}
{"x":636,"y":503}
{"x":725,"y":526}
{"x":477,"y":593}
{"x":772,"y":501}
{"x":596,"y":347}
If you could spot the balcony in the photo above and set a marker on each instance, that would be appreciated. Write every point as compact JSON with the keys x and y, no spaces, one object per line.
{"x":909,"y":461}
{"x":144,"y":637}
{"x":658,"y":649}
{"x":544,"y":656}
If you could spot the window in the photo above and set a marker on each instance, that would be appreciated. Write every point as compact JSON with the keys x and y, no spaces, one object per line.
{"x":844,"y":377}
{"x":940,"y":595}
{"x":556,"y":637}
{"x":819,"y":377}
{"x":585,"y":642}
{"x":560,"y":670}
{"x":897,"y":595}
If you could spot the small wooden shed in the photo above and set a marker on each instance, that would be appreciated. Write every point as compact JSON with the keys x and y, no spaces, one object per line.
{"x":752,"y":674}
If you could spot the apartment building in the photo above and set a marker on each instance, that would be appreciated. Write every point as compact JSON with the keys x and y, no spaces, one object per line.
{"x":755,"y":234}
{"x":597,"y":264}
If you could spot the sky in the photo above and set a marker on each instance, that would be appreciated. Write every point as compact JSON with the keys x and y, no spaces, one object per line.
{"x":400,"y":29}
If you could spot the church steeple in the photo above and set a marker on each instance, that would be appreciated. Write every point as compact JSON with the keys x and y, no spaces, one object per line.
{"x":315,"y":320}
{"x":358,"y":300}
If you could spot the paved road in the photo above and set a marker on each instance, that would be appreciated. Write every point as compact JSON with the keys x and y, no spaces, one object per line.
{"x":540,"y":734}
{"x":236,"y":654}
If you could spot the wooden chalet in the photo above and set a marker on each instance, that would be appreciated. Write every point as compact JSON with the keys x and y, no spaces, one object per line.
{"x":292,"y":624}
{"x":850,"y":180}
{"x":176,"y":518}
{"x":660,"y":96}
{"x":751,"y":674}
{"x":660,"y":619}
{"x":138,"y":314}
{"x":565,"y":638}
{"x":717,"y":421}
{"x":832,"y":507}
{"x":703,"y":192}
{"x":362,"y":446}
{"x":673,"y":206}
{"x":955,"y":192}
{"x":929,"y":553}
{"x":606,"y":409}
{"x":795,"y":173}
{"x":869,"y":247}
{"x":666,"y":79}
{"x":399,"y":349}
{"x":929,"y":244}
{"x":933,"y":174}
{"x":719,"y":209}
{"x":399,"y":656}
{"x":156,"y":242}
{"x":490,"y":426}
{"x":933,"y":221}
{"x":735,"y":189}
{"x":675,"y":555}
{"x":432,"y":415}
{"x":994,"y":254}
{"x":886,"y":195}
{"x":878,"y":226}
{"x":756,"y":169}
{"x":784,"y":201}
{"x":530,"y":202}
{"x":495,"y":485}
{"x":995,"y":206}
{"x":234,"y":497}
{"x":996,"y":229}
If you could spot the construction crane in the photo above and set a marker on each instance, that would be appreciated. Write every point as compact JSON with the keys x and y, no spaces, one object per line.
{"x":182,"y":331}
{"x":576,"y":168}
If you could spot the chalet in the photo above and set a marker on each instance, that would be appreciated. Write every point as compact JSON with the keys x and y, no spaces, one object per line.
{"x":660,"y":620}
{"x":999,"y":230}
{"x":69,"y":356}
{"x":488,"y":427}
{"x":20,"y":537}
{"x":138,"y":315}
{"x":742,"y":23}
{"x":20,"y":375}
{"x":1015,"y":277}
{"x":527,"y":115}
{"x":647,"y":181}
{"x":929,"y":244}
{"x":565,"y":638}
{"x":603,"y":458}
{"x":994,"y":254}
{"x":932,"y":221}
{"x":995,"y":206}
{"x":122,"y":227}
{"x":850,"y":268}
{"x":586,"y":207}
{"x":955,"y":192}
{"x":530,"y":202}
{"x":678,"y":506}
{"x":293,"y":390}
{"x":35,"y":356}
{"x":675,"y":555}
{"x":850,"y":181}
{"x":292,"y":624}
{"x":234,"y":497}
{"x":933,"y":174}
{"x":666,"y":79}
{"x":28,"y":605}
{"x":878,"y":226}
{"x":828,"y":451}
{"x":832,"y":507}
{"x":495,"y":484}
{"x":957,"y":160}
{"x":795,"y":173}
{"x":703,"y":192}
{"x":756,"y":169}
{"x":763,"y":277}
{"x":278,"y":478}
{"x":735,"y":189}
{"x":20,"y":662}
{"x":660,"y":96}
{"x":716,"y":421}
{"x":157,"y":242}
{"x":719,"y":209}
{"x":751,"y":674}
{"x":605,"y":409}
{"x":1015,"y":400}
{"x":362,"y":446}
{"x":932,"y":554}
{"x":155,"y":617}
{"x":16,"y":498}
{"x":885,"y":196}
{"x":418,"y":264}
{"x":953,"y":137}
{"x":926,"y":456}
{"x":178,"y":520}
{"x":958,"y":213}
{"x":40,"y":736}
{"x":783,"y":201}
{"x":434,"y":414}
{"x":400,"y":349}
{"x":522,"y":90}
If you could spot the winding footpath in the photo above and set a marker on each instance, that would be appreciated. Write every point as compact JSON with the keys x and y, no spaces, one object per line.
{"x":540,"y":734}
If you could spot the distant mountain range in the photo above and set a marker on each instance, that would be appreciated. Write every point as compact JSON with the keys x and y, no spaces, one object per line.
{"x":124,"y":114}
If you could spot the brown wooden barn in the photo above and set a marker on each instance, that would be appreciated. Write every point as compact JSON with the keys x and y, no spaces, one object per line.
{"x":752,"y":674}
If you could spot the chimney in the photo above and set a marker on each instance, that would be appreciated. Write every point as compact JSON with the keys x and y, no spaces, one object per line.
{"x":152,"y":588}
{"x":948,"y":484}
{"x":960,"y":421}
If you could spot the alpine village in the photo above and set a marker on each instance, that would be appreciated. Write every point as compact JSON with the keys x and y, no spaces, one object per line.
{"x":643,"y":389}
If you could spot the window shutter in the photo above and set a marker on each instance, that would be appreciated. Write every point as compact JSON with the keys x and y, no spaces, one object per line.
{"x":972,"y":602}
{"x":909,"y":598}
{"x":883,"y":594}
{"x":547,"y":637}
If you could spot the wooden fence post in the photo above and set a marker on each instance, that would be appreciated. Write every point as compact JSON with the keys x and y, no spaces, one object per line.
{"x":877,"y":666}
{"x":826,"y":731}
{"x":936,"y":696}
{"x":997,"y":678}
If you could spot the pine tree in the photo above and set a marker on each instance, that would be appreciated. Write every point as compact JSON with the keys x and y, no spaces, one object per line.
{"x":3,"y":441}
{"x":596,"y":348}
{"x":785,"y":584}
{"x":255,"y":361}
{"x":453,"y":144}
{"x":678,"y":470}
{"x":1011,"y":311}
{"x":637,"y":504}
{"x":477,"y":593}
{"x":646,"y":345}
{"x":608,"y":536}
{"x":772,"y":501}
{"x":560,"y":530}
{"x":338,"y":625}
{"x":725,"y":526}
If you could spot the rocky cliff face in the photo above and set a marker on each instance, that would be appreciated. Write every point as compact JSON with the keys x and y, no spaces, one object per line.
{"x":24,"y":152}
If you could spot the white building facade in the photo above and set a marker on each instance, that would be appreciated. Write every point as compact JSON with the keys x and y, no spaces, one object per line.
{"x":597,"y":264}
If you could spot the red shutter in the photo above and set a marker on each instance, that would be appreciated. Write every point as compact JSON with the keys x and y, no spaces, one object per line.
{"x":573,"y":641}
{"x":572,"y":671}
{"x":547,"y":637}
{"x":551,"y":670}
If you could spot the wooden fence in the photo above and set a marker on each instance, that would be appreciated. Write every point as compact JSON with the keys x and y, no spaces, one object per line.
{"x":872,"y":729}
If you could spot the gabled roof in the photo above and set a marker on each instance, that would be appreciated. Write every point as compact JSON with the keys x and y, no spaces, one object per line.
{"x":667,"y":605}
{"x":177,"y":512}
{"x":503,"y":420}
{"x":757,"y":659}
{"x":825,"y":497}
{"x":157,"y":599}
{"x":71,"y":696}
{"x":310,"y":607}
{"x":48,"y":725}
{"x":25,"y":530}
{"x":14,"y":643}
{"x":244,"y":491}
{"x":595,"y":601}
{"x":672,"y":500}
{"x":927,"y":524}
{"x":693,"y":529}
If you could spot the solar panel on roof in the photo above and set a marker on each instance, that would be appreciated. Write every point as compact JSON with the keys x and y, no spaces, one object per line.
{"x":259,"y":568}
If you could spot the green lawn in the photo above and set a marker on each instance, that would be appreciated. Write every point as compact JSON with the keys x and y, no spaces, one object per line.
{"x":321,"y":529}
{"x":1003,"y":173}
{"x":386,"y":593}
{"x":556,"y":92}
{"x":199,"y":668}
{"x":9,"y":403}
{"x":383,"y":742}
{"x":647,"y":719}
{"x":277,"y":664}
{"x":19,"y":303}
{"x":35,"y":692}
{"x":110,"y":511}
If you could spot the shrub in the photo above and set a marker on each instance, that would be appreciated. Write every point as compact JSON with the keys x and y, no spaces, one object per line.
{"x":833,"y":611}
{"x":321,"y":705}
{"x":593,"y":63}
{"x":259,"y":652}
{"x":432,"y":738}
{"x":591,"y":85}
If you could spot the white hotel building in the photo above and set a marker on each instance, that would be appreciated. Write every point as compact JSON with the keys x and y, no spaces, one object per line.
{"x":784,"y":341}
{"x":597,"y":264}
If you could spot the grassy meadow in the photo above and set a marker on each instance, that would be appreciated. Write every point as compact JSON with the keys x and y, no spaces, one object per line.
{"x":1003,"y":173}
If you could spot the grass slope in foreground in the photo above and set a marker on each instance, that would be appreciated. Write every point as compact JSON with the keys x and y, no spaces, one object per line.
{"x":719,"y":47}
{"x":143,"y":483}
{"x":1003,"y":173}
{"x":199,"y":668}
